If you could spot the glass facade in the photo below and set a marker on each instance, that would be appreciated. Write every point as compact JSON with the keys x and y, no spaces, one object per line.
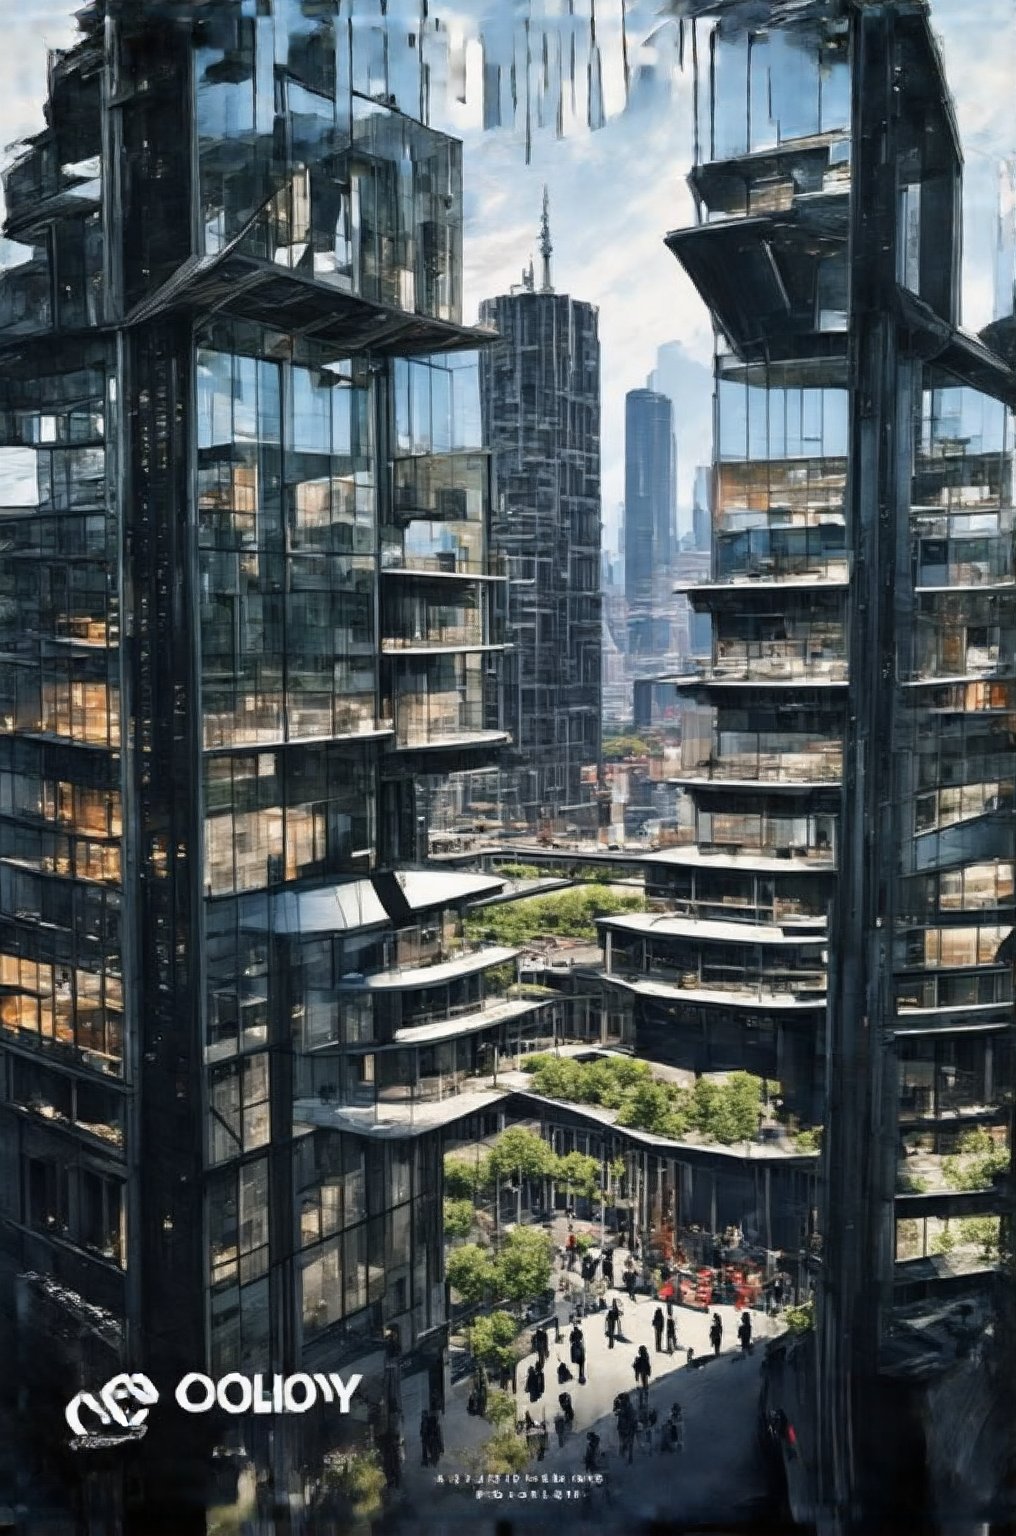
{"x":243,"y":572}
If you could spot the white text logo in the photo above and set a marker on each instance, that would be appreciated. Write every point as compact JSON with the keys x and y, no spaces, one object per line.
{"x":102,"y":1419}
{"x":251,"y":1394}
{"x":115,"y":1424}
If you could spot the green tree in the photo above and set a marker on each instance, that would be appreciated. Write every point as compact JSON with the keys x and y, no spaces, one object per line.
{"x":569,"y":914}
{"x":800,"y":1319}
{"x":358,"y":1478}
{"x":502,"y":1409}
{"x":465,"y":1176}
{"x":982,"y":1233}
{"x":808,"y":1140}
{"x":518,"y":1152}
{"x":524,"y":1265}
{"x":458,"y":1217}
{"x":470,"y":1273}
{"x":504,"y":1452}
{"x":980,"y":1158}
{"x":650,"y":1107}
{"x":579,"y":1174}
{"x":491,"y":1338}
{"x":727,"y":1112}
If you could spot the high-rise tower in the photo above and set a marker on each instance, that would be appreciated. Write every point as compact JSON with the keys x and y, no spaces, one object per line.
{"x":245,"y":602}
{"x":540,"y":389}
{"x":859,"y":704}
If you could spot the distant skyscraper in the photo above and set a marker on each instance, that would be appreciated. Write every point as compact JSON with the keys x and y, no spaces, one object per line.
{"x":689,"y":387}
{"x":702,"y":508}
{"x":649,"y":522}
{"x":540,"y":387}
{"x":1005,"y":242}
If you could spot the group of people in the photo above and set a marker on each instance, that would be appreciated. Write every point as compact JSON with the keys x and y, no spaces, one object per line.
{"x":668,"y":1324}
{"x":743,"y":1333}
{"x":634,"y":1421}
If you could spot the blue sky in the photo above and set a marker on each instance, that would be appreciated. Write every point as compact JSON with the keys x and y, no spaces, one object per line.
{"x":614,"y":192}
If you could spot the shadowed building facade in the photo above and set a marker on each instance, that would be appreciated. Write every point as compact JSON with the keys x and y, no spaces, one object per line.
{"x":848,"y":747}
{"x":245,"y":602}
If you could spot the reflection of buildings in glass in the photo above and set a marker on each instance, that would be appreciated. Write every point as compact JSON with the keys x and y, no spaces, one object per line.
{"x":246,"y":600}
{"x":862,"y":605}
{"x":540,"y":384}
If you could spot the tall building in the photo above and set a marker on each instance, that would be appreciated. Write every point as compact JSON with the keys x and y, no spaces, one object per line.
{"x":702,"y":509}
{"x":245,"y":600}
{"x":854,"y":740}
{"x":540,"y":390}
{"x":688,"y":385}
{"x":650,"y":531}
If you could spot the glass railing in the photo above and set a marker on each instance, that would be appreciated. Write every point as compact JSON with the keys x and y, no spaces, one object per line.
{"x":775,"y":767}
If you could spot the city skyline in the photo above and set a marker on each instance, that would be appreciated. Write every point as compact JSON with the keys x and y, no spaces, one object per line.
{"x":643,"y":307}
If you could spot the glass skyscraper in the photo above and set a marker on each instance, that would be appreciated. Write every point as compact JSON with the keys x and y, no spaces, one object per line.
{"x":245,"y":602}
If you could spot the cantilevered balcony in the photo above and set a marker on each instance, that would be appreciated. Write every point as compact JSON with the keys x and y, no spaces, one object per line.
{"x":814,"y":769}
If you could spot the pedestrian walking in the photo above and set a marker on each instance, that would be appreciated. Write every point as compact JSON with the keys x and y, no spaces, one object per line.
{"x":578,"y":1352}
{"x":613,"y":1323}
{"x":567,"y":1409}
{"x":643,"y":1370}
{"x":592,"y":1456}
{"x":424,"y":1440}
{"x":572,"y":1250}
{"x":629,"y":1280}
{"x":671,"y":1333}
{"x":608,"y":1268}
{"x":744,"y":1333}
{"x":542,"y":1345}
{"x":563,"y":1373}
{"x":658,"y":1326}
{"x":560,"y":1429}
{"x":716,"y":1332}
{"x":627,"y":1423}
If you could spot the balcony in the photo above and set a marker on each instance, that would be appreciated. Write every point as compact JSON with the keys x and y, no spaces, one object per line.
{"x":433,"y":721}
{"x":793,"y":769}
{"x":764,"y":575}
{"x":37,"y":187}
{"x":780,"y":991}
{"x":272,"y":722}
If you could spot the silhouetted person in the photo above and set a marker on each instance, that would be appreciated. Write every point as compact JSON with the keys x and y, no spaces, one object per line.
{"x":658,"y":1326}
{"x":716,"y":1332}
{"x":744,"y":1332}
{"x":643,"y":1369}
{"x":613,"y":1324}
{"x":671,"y":1334}
{"x":565,"y":1403}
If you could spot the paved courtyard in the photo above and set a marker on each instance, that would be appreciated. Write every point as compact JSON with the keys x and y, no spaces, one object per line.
{"x":718,"y":1475}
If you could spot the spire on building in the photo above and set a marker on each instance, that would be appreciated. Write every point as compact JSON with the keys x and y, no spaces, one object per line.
{"x":545,"y":245}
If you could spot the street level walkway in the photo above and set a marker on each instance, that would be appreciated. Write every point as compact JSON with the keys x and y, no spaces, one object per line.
{"x":719,"y":1475}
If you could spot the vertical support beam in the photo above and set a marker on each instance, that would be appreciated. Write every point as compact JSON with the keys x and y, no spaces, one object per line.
{"x":858,"y":1171}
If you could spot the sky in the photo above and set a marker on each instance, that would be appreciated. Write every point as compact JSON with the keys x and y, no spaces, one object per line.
{"x":614,"y":193}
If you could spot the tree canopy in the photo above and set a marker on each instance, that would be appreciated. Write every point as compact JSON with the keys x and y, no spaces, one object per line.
{"x":725,"y":1111}
{"x":565,"y":914}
